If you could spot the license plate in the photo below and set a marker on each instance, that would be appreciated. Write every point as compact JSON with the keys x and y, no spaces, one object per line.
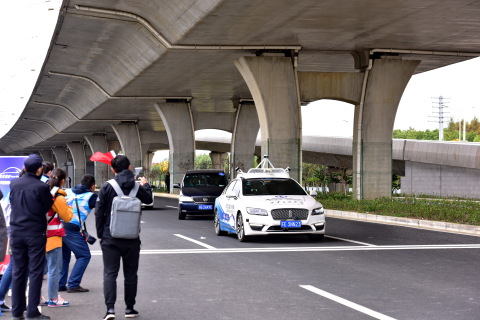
{"x":291,"y":224}
{"x":205,"y":207}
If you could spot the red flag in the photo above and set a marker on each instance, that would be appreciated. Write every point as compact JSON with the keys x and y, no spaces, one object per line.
{"x":103,"y":157}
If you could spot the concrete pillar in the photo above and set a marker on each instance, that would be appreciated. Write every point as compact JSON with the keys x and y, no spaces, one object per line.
{"x":272,"y":82}
{"x":47,"y":156}
{"x":79,"y":162}
{"x":61,"y":156}
{"x":129,"y":138}
{"x":98,"y":143}
{"x":218,"y":159}
{"x":177,"y":118}
{"x":374,"y":119}
{"x":243,"y":138}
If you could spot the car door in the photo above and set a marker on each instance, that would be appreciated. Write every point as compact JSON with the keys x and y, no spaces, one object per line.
{"x":227,"y":207}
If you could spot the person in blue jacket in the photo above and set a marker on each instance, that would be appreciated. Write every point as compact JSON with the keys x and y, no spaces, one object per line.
{"x":30,"y":200}
{"x":82,"y":200}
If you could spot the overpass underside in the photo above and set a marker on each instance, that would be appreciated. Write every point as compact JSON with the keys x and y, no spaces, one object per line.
{"x":140,"y":76}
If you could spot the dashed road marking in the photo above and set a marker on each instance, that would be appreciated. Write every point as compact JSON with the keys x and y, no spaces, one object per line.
{"x":347,"y":303}
{"x":194,"y":241}
{"x":352,"y":241}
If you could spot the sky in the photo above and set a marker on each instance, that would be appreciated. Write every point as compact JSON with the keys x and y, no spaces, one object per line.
{"x":27,"y":27}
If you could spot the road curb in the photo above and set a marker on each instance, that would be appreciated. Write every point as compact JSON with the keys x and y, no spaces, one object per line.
{"x":408,"y":222}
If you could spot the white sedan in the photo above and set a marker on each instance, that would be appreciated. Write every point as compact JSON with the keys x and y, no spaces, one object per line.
{"x":267,"y":201}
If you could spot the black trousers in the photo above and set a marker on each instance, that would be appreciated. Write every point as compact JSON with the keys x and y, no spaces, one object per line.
{"x":115,"y":250}
{"x":28,"y":253}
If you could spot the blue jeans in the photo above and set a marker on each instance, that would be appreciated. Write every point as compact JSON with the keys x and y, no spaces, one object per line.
{"x":54,"y":262}
{"x":6,"y":281}
{"x":74,"y":242}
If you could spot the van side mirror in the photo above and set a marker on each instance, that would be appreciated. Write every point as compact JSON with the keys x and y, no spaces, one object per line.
{"x":313,"y":193}
{"x":176,"y":185}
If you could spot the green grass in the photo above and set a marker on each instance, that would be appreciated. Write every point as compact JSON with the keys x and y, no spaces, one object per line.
{"x":456,"y":211}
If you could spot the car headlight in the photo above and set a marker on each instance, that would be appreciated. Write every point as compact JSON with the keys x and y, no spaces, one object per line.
{"x":257,"y":211}
{"x":317,"y":211}
{"x":185,"y":199}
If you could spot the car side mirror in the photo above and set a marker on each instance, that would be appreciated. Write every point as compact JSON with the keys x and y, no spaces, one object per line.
{"x":176,"y":185}
{"x":313,"y":193}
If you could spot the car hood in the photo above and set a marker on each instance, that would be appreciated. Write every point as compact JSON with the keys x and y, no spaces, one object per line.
{"x":273,"y":202}
{"x":210,"y":191}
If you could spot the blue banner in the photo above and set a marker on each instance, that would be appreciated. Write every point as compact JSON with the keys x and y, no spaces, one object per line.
{"x":10,"y":168}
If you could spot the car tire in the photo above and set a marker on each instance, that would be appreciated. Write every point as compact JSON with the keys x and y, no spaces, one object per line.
{"x":216,"y":224}
{"x":240,"y":228}
{"x":181,"y":215}
{"x":315,"y":237}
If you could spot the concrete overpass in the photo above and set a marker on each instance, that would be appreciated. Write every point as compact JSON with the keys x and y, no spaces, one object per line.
{"x":436,"y":168}
{"x":140,"y":76}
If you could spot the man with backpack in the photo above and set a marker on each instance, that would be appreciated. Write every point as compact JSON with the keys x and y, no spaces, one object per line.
{"x":118,"y":248}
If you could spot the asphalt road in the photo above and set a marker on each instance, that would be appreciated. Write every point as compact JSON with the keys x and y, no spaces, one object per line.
{"x":359,"y":271}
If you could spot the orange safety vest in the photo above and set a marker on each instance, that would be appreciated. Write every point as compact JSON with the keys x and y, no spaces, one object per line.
{"x":55,"y":225}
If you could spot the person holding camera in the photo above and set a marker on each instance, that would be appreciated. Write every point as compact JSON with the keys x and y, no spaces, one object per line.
{"x":82,"y":200}
{"x":55,"y":232}
{"x":118,"y":251}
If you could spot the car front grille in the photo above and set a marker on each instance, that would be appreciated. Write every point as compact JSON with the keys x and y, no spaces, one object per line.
{"x":205,"y":199}
{"x":295,"y":214}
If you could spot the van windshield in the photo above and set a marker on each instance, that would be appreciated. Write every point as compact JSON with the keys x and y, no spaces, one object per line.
{"x":205,"y":180}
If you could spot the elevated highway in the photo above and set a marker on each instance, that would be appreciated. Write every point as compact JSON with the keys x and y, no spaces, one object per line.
{"x":436,"y":168}
{"x":139,"y":76}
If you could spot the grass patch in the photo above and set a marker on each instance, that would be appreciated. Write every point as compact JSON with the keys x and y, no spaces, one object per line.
{"x":455,"y":211}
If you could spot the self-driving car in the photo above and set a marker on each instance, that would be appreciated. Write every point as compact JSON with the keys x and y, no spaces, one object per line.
{"x":264,"y":201}
{"x":198,"y":191}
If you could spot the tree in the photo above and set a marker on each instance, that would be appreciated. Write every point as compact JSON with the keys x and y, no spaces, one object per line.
{"x":203,"y":161}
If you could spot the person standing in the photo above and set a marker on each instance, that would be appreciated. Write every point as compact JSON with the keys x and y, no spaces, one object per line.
{"x":30,"y":200}
{"x":46,"y":171}
{"x":82,"y":200}
{"x":55,"y":232}
{"x":167,"y":181}
{"x":115,"y":250}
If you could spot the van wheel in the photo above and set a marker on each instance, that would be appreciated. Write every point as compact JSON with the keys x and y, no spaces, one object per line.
{"x":240,"y":229}
{"x":181,"y":215}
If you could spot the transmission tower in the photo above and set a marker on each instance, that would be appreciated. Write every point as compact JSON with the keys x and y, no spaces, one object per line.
{"x":440,"y":104}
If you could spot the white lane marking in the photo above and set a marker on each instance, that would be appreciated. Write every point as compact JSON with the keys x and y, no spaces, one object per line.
{"x":172,"y":207}
{"x":352,"y":241}
{"x":194,"y":241}
{"x":305,"y":249}
{"x":347,"y":303}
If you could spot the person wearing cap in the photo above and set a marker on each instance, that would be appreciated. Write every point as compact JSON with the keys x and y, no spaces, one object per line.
{"x":30,"y":200}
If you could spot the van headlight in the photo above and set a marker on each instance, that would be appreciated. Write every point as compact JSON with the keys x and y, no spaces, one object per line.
{"x":317,"y":211}
{"x":257,"y":211}
{"x":185,"y":199}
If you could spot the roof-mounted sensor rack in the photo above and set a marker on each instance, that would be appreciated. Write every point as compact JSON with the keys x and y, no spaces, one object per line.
{"x":265,"y":169}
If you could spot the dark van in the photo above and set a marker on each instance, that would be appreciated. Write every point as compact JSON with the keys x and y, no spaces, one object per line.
{"x":198,"y":191}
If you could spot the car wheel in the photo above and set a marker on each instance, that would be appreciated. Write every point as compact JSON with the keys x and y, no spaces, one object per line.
{"x":181,"y":215}
{"x":216,"y":224}
{"x":240,"y":229}
{"x":315,"y":237}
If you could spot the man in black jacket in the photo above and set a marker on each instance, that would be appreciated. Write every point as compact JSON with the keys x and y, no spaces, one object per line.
{"x":115,"y":249}
{"x":30,"y":201}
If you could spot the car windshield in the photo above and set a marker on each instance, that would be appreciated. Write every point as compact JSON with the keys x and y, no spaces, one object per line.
{"x":260,"y":187}
{"x":205,"y":180}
